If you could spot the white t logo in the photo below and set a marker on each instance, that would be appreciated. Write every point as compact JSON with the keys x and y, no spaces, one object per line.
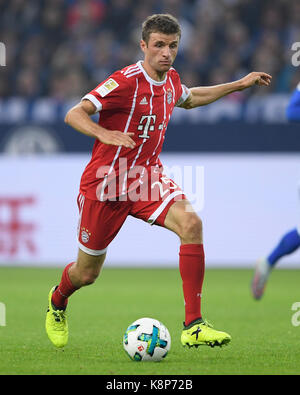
{"x":147,"y":126}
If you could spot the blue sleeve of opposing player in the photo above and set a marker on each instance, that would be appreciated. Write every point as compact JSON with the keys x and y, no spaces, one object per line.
{"x":293,"y":108}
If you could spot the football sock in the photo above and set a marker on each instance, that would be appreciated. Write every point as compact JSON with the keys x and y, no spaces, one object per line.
{"x":192,"y":267}
{"x":289,"y":243}
{"x":64,"y":290}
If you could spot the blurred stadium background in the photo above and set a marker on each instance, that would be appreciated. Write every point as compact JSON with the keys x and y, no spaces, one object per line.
{"x":58,"y":50}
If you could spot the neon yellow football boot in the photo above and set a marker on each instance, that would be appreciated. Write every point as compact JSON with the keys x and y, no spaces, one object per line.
{"x":56,"y":324}
{"x":200,"y":332}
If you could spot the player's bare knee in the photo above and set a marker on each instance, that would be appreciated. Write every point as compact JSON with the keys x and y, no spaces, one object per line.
{"x":88,"y":278}
{"x":86,"y":270}
{"x":191,"y":228}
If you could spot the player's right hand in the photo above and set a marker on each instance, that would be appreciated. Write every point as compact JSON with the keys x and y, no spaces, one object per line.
{"x":115,"y":137}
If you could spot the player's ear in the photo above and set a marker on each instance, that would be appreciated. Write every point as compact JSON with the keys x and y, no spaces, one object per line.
{"x":143,"y":45}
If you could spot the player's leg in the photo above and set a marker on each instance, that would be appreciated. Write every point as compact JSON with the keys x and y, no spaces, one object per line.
{"x":77,"y":274}
{"x":288,"y":243}
{"x":171,"y":210}
{"x":86,"y":269}
{"x":182,"y":220}
{"x":99,"y":223}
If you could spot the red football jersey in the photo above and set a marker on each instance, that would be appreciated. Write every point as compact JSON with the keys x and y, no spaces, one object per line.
{"x":130,"y":101}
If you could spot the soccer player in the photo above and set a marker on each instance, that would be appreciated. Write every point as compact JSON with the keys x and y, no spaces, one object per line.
{"x":125,"y":176}
{"x":290,"y":241}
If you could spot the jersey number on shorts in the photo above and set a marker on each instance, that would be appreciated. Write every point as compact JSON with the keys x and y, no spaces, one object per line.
{"x":167,"y":181}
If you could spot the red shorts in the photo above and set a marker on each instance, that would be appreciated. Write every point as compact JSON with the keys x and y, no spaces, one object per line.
{"x":99,"y":222}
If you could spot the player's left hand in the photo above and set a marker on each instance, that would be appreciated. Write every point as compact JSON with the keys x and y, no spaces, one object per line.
{"x":256,"y":78}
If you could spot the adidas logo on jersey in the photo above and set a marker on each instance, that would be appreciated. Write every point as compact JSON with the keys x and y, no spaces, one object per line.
{"x":144,"y":100}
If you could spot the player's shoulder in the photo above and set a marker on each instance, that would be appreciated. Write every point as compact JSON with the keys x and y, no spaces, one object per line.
{"x":117,"y":81}
{"x":173,"y":72}
{"x":119,"y":77}
{"x":128,"y":74}
{"x":131,"y":71}
{"x":174,"y":75}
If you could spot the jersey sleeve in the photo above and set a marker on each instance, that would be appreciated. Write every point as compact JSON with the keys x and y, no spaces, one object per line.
{"x":110,"y":94}
{"x":181,"y":91}
{"x":184,"y":95}
{"x":293,"y":108}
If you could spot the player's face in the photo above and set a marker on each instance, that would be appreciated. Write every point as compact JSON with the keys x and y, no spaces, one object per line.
{"x":160,"y":51}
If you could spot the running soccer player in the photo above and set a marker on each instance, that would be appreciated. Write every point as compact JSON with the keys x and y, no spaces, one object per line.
{"x":290,"y":241}
{"x":125,"y":176}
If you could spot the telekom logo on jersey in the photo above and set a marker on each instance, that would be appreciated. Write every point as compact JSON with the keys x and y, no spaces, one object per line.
{"x":123,"y":182}
{"x":147,"y":123}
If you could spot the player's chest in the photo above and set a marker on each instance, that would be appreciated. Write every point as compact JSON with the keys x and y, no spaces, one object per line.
{"x":153,"y":109}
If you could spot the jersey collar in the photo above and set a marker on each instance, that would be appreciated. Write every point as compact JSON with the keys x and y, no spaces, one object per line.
{"x":148,"y":78}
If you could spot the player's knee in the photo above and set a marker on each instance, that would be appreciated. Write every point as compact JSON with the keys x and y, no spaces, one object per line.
{"x":191,"y":228}
{"x":88,"y":278}
{"x":87,"y":268}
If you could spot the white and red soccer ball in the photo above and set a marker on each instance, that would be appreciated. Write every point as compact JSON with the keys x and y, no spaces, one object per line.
{"x":147,"y":339}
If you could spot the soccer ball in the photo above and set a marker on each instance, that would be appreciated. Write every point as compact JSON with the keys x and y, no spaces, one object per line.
{"x":147,"y":339}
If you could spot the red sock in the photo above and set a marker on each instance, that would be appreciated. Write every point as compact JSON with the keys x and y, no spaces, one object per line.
{"x":192,"y":267}
{"x":64,"y":290}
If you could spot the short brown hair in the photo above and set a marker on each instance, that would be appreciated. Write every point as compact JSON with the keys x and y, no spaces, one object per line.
{"x":160,"y":23}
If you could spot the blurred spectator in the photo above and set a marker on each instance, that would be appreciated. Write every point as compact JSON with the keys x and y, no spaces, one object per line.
{"x":63,"y":48}
{"x":27,"y":84}
{"x":85,"y":13}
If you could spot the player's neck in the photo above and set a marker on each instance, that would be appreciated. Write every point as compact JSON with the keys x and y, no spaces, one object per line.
{"x":153,"y":74}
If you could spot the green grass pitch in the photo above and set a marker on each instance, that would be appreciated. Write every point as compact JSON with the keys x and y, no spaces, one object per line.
{"x":264,"y":340}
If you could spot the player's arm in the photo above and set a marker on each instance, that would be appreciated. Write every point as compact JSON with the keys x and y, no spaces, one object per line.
{"x":79,"y":118}
{"x":200,"y":96}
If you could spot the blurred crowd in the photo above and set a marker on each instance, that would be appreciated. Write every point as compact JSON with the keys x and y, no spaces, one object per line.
{"x":64,"y":48}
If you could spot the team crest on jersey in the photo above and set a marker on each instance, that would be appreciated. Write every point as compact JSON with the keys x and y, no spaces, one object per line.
{"x":107,"y":87}
{"x":85,"y":235}
{"x":169,"y":96}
